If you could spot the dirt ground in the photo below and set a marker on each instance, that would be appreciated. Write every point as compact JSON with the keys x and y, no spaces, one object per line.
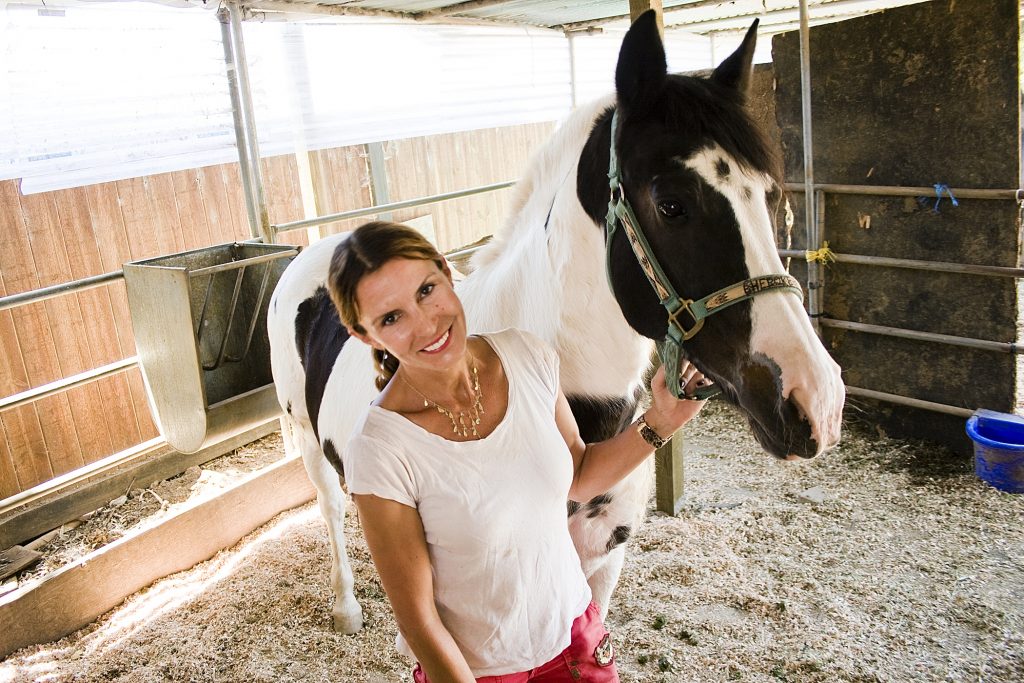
{"x":881,"y":561}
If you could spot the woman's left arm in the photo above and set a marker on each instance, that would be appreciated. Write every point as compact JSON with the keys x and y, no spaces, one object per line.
{"x":599,"y":466}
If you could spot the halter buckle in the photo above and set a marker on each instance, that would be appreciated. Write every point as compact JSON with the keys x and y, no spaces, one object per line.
{"x":673,"y":319}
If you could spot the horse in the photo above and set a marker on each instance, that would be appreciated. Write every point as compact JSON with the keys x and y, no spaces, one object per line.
{"x":703,"y":183}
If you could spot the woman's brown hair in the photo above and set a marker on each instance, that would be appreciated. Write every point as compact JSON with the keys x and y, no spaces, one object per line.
{"x":368,"y":248}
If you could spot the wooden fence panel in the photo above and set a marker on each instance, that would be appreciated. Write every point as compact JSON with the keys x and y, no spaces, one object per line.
{"x":8,"y":477}
{"x":22,"y":428}
{"x":444,"y":163}
{"x":96,"y":417}
{"x":41,"y":334}
{"x":102,"y":334}
{"x":192,"y":217}
{"x":342,"y":183}
{"x":214,"y":183}
{"x":283,"y":194}
{"x":112,"y":245}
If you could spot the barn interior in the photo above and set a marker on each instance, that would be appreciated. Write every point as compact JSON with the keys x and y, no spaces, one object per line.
{"x":269,"y":125}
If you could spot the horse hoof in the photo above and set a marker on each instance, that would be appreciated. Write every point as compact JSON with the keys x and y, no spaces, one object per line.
{"x":349,"y":623}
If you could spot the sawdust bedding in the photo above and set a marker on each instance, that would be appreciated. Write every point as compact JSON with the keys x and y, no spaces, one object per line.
{"x":145,"y":505}
{"x":882,"y":561}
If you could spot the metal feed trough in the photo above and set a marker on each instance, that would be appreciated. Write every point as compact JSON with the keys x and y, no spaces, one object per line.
{"x":200,"y":320}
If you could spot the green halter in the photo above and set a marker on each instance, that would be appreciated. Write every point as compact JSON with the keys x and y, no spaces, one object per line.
{"x":621,"y":213}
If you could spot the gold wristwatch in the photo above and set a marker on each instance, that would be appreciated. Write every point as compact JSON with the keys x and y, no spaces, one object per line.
{"x":648,"y":434}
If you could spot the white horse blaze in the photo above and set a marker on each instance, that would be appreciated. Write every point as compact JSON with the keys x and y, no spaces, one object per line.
{"x":780,"y":327}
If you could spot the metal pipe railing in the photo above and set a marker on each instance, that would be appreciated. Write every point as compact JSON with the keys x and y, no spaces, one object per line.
{"x":937,"y":266}
{"x":44,"y":293}
{"x":393,"y":206}
{"x":233,"y":265}
{"x":911,"y":402}
{"x":60,"y":385}
{"x":244,"y":101}
{"x":899,"y":191}
{"x":241,"y":137}
{"x":814,"y":269}
{"x":952,"y":340}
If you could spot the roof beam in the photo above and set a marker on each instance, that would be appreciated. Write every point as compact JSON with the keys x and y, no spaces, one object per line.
{"x":638,"y":7}
{"x":459,"y":8}
{"x":327,"y":10}
{"x":579,"y":25}
{"x":782,"y":16}
{"x":311,"y":9}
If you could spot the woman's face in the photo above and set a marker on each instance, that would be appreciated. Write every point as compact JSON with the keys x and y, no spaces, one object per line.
{"x":410,"y":308}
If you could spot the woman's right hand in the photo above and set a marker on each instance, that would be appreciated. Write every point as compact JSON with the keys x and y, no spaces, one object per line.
{"x":668,"y":413}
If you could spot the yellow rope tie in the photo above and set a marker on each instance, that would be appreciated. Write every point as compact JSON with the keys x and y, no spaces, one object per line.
{"x":823,"y":255}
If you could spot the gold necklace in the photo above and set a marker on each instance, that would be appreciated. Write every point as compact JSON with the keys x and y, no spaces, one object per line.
{"x":465,"y":423}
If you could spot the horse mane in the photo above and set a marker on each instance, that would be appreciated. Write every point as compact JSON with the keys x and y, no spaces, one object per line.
{"x":548,"y":168}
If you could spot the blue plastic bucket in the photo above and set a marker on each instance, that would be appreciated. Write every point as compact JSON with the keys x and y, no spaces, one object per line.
{"x":998,"y":449}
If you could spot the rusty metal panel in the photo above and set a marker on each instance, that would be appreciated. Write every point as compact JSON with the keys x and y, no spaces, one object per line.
{"x":916,"y":96}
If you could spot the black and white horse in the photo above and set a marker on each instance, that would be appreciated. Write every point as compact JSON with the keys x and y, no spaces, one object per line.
{"x":703,"y":183}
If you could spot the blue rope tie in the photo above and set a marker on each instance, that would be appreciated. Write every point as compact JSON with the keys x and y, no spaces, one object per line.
{"x":939,"y":189}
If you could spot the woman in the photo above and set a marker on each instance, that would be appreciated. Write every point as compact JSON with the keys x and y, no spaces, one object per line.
{"x":461,"y":470}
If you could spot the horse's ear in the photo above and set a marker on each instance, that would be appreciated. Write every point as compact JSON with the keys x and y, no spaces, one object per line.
{"x":640,"y":74}
{"x":734,"y":72}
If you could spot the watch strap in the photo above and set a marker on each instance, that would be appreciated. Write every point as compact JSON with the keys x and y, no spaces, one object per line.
{"x":648,"y":434}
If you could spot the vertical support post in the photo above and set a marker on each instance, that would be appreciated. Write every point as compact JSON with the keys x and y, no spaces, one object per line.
{"x":669,"y":477}
{"x":810,"y":214}
{"x":378,"y":177}
{"x":241,"y":99}
{"x":668,"y":460}
{"x":817,"y":298}
{"x":309,"y":164}
{"x":638,"y":7}
{"x":572,"y":69}
{"x":241,"y":139}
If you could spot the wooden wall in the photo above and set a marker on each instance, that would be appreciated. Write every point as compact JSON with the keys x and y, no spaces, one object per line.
{"x":418,"y":167}
{"x":65,"y":235}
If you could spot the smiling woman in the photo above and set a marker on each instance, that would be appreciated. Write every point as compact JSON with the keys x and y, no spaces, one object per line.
{"x":461,"y":470}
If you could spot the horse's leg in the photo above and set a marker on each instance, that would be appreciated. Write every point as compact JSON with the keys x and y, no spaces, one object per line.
{"x":348,"y":616}
{"x":601,"y":528}
{"x":605,"y":577}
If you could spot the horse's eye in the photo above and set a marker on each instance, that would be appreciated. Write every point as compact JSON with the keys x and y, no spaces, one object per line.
{"x":670,"y":208}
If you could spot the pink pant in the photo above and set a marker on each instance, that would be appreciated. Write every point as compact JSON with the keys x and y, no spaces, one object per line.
{"x":588,"y":659}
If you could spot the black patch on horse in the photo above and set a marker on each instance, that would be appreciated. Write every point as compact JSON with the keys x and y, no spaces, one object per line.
{"x":592,"y":170}
{"x":619,"y":536}
{"x":722,"y":169}
{"x":333,"y":457}
{"x":601,"y":418}
{"x":573,"y":507}
{"x":319,"y":337}
{"x":597,"y":504}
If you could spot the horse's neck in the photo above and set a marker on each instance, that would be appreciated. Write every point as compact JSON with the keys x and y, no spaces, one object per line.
{"x":545,"y":273}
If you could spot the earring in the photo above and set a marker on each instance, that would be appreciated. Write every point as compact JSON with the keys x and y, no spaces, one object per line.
{"x":381,"y":377}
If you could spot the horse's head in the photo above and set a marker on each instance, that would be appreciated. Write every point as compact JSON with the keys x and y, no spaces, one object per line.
{"x":704,"y":186}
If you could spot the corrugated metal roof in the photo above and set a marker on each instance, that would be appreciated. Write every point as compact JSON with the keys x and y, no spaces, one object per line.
{"x":697,"y":16}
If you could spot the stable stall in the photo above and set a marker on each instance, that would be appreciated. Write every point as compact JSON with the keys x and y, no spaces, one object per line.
{"x":197,"y":314}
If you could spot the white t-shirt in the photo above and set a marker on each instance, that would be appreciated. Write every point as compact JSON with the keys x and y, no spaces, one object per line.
{"x":507,"y":579}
